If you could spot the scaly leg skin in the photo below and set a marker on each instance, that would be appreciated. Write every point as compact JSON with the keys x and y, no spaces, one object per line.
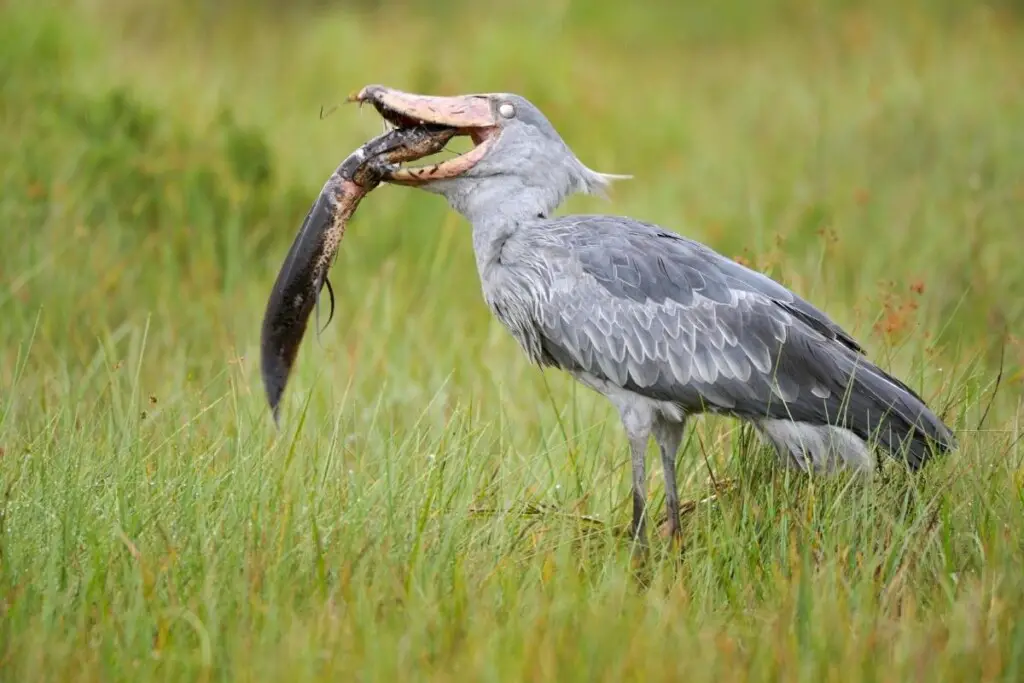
{"x":637,"y":420}
{"x":669,"y":435}
{"x":638,"y":529}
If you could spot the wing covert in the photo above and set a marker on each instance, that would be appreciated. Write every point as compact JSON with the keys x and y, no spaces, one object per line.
{"x":645,"y":311}
{"x":640,"y":260}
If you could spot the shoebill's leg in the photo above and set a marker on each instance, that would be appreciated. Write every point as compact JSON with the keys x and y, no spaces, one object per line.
{"x":669,"y":435}
{"x":638,"y":421}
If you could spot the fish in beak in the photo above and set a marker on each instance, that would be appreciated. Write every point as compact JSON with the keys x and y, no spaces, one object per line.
{"x":473,"y":116}
{"x":303,"y":275}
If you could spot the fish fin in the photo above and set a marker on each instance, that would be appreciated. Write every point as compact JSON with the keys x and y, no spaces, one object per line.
{"x":330,"y":315}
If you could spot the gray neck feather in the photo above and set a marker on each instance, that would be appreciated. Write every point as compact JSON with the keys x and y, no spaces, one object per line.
{"x":497,"y":204}
{"x":506,"y":198}
{"x":525,"y":178}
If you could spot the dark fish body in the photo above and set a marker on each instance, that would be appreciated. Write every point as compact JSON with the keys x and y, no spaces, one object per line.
{"x":296,"y":291}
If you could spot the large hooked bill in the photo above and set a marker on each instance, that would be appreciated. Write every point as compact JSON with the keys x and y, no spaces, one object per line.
{"x":303,"y":274}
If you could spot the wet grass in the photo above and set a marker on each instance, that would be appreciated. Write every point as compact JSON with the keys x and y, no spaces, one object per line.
{"x":433,"y":507}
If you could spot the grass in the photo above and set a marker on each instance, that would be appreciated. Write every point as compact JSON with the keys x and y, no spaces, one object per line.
{"x":433,"y":507}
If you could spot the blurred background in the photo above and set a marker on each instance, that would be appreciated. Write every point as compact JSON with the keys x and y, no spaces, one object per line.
{"x":157,"y":159}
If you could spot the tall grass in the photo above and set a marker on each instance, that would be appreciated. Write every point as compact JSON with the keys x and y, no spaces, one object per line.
{"x":433,"y":507}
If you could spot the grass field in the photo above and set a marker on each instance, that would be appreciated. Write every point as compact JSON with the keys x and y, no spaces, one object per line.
{"x":433,"y":507}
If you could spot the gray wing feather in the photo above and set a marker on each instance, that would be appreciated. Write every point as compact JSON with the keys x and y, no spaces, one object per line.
{"x":645,"y":261}
{"x":670,"y":319}
{"x":647,"y":310}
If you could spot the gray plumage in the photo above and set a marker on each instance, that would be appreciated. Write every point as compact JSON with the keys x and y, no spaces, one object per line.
{"x":640,"y":310}
{"x":666,"y":327}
